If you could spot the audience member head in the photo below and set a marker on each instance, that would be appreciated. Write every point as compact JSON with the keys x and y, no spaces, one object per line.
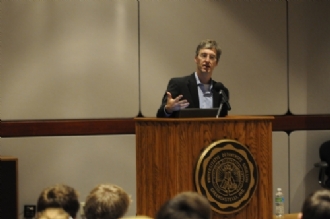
{"x":186,"y":205}
{"x":59,"y":196}
{"x":53,"y":213}
{"x":106,"y":201}
{"x":316,"y":206}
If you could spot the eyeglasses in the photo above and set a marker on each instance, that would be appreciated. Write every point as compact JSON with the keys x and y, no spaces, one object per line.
{"x":205,"y":55}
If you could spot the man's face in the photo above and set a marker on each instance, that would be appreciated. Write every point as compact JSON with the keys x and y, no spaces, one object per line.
{"x":206,"y":61}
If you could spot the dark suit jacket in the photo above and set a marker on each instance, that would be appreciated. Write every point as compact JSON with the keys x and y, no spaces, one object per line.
{"x":324,"y":152}
{"x":187,"y":86}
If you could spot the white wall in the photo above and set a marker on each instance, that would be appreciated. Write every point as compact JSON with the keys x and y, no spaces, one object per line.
{"x":304,"y":154}
{"x":309,"y":48}
{"x":82,"y":162}
{"x":68,"y":59}
{"x":294,"y":157}
{"x":281,"y":177}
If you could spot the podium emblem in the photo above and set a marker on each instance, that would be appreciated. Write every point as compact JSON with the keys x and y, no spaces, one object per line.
{"x":227,"y":175}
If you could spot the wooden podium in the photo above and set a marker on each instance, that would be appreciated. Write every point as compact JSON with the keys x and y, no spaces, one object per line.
{"x":167,"y":151}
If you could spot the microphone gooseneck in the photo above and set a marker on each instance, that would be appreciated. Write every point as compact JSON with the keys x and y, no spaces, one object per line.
{"x":219,"y":87}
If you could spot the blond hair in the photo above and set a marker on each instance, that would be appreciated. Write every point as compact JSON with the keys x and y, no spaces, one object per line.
{"x":106,"y":201}
{"x":53,"y":213}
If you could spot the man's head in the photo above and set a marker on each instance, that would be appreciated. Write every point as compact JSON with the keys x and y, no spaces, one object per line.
{"x":59,"y":196}
{"x":106,"y":201}
{"x":186,"y":205}
{"x":53,"y":213}
{"x":316,"y":206}
{"x":207,"y":57}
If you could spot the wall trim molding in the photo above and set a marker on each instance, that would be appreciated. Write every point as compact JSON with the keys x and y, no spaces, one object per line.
{"x":25,"y":128}
{"x":72,"y":127}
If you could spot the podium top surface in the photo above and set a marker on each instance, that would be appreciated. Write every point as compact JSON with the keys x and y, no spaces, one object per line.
{"x":230,"y":118}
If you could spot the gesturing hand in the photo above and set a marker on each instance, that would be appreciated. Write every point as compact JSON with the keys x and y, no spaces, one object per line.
{"x":175,"y":104}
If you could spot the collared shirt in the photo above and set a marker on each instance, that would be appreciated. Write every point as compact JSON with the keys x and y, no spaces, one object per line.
{"x":204,"y":94}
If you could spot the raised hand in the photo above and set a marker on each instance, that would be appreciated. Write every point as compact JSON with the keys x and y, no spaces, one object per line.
{"x":175,"y":104}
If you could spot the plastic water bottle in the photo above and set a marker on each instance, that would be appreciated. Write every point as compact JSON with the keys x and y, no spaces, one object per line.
{"x":279,"y":203}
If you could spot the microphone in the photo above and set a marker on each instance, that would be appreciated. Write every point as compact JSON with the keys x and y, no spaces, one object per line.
{"x":225,"y":99}
{"x":219,"y":87}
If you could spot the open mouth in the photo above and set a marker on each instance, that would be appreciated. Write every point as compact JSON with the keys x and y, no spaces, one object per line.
{"x":206,"y":66}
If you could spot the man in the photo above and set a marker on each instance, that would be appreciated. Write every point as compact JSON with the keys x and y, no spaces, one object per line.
{"x":59,"y":196}
{"x":316,"y":206}
{"x":197,"y":90}
{"x":186,"y":205}
{"x":106,"y":201}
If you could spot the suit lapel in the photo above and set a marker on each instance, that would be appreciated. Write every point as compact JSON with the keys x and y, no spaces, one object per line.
{"x":192,"y":86}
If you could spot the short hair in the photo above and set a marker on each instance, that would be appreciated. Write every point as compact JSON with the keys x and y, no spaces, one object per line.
{"x":186,"y":205}
{"x":137,"y":217}
{"x":106,"y":201}
{"x":317,"y":205}
{"x":53,"y":213}
{"x":209,"y":44}
{"x":59,"y":196}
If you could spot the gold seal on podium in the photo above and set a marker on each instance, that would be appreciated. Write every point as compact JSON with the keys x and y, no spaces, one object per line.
{"x":227,"y":175}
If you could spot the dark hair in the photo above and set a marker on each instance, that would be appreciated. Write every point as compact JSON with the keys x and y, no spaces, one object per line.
{"x":59,"y":196}
{"x":209,"y":44}
{"x":317,"y":205}
{"x":186,"y":205}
